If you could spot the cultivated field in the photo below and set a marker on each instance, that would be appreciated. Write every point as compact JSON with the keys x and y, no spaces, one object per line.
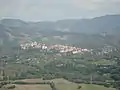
{"x":60,"y":84}
{"x":32,"y":87}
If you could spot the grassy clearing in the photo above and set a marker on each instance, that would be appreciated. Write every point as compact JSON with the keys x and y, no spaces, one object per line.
{"x":62,"y":87}
{"x":102,"y":62}
{"x":60,"y":84}
{"x":32,"y":87}
{"x":94,"y":87}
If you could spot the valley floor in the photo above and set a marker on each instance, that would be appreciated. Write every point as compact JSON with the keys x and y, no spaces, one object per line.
{"x":62,"y":87}
{"x":60,"y":84}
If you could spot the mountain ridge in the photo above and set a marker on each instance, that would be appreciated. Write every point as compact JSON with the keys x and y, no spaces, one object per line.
{"x":70,"y":28}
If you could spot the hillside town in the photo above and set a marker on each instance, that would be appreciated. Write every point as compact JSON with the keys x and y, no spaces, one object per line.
{"x":58,"y":47}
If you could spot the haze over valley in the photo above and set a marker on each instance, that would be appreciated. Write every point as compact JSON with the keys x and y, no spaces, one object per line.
{"x":59,"y":45}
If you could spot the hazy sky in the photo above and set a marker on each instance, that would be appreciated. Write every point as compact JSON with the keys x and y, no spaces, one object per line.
{"x":57,"y":9}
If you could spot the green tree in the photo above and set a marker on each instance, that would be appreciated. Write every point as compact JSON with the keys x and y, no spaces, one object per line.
{"x":115,"y":74}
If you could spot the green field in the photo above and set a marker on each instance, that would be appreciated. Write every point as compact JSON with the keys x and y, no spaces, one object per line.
{"x":62,"y":87}
{"x":60,"y":84}
{"x":84,"y":87}
{"x":102,"y":62}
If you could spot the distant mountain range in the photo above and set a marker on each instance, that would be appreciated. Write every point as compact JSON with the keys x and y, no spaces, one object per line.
{"x":18,"y":30}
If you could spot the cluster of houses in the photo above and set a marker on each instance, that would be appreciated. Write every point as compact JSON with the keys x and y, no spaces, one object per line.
{"x":58,"y":47}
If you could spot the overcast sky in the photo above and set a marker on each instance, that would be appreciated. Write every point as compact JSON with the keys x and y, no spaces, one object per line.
{"x":57,"y":9}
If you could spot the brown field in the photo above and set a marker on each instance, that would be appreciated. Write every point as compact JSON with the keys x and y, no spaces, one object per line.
{"x":62,"y":81}
{"x":31,"y":80}
{"x":32,"y":87}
